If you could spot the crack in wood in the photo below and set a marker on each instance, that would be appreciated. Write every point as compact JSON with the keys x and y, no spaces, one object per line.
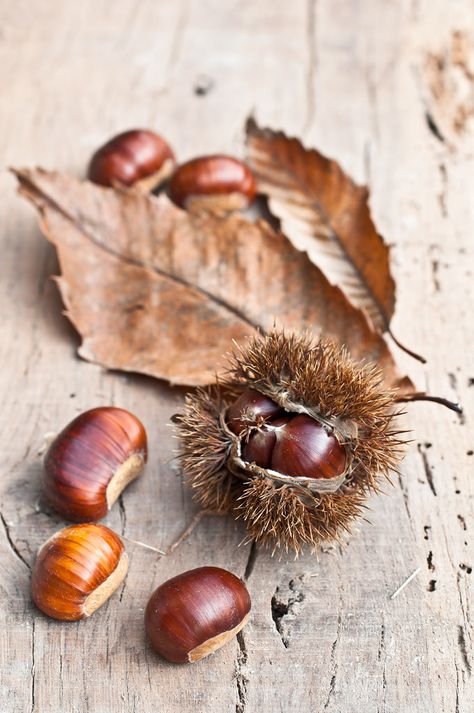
{"x":405,"y":495}
{"x":434,"y":275}
{"x":241,"y":678}
{"x":123,"y":524}
{"x":433,"y":127}
{"x":456,"y":708}
{"x":427,"y":468}
{"x":33,"y":666}
{"x":442,"y":194}
{"x":382,"y":652}
{"x":252,"y":559}
{"x":334,"y":664}
{"x":463,"y":649}
{"x":10,"y":541}
{"x":429,"y":561}
{"x":123,"y":514}
{"x":285,"y":608}
{"x":453,"y":381}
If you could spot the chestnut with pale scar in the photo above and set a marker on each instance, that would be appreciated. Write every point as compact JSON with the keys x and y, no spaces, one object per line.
{"x":77,"y":570}
{"x":192,"y":615}
{"x":92,"y":460}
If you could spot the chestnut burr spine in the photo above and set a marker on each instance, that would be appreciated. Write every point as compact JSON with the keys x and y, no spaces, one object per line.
{"x":304,"y":376}
{"x":192,"y":615}
{"x":77,"y":570}
{"x":92,"y":460}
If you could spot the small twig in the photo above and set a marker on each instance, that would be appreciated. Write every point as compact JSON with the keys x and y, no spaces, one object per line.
{"x":184,"y":535}
{"x":407,"y":581}
{"x":405,"y":349}
{"x":192,"y":525}
{"x":143,"y":544}
{"x":420,"y":396}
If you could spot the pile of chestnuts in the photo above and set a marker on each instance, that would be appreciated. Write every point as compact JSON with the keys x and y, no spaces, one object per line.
{"x":86,"y":468}
{"x":100,"y":452}
{"x":143,"y":160}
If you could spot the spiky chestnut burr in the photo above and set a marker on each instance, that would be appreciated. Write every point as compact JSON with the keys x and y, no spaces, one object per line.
{"x":339,"y":422}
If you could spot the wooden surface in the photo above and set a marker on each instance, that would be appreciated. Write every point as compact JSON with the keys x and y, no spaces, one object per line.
{"x":387,"y":89}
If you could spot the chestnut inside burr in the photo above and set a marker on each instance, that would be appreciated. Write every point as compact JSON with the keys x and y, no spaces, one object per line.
{"x":289,"y":443}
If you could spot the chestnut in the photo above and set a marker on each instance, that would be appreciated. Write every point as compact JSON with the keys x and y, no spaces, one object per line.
{"x":249,"y":409}
{"x":137,"y":158}
{"x":192,"y":615}
{"x":218,"y":183}
{"x":92,"y":460}
{"x":297,"y":446}
{"x":77,"y":570}
{"x":304,"y":448}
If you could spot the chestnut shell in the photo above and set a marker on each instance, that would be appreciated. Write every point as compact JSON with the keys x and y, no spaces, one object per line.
{"x":213,"y":176}
{"x":77,"y":570}
{"x":192,"y":615}
{"x":83,"y":459}
{"x":130,"y":157}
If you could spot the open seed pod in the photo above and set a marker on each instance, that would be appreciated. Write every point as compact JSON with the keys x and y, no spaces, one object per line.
{"x":293,"y":439}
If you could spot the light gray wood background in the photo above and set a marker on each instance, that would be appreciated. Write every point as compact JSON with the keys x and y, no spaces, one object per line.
{"x":387,"y":89}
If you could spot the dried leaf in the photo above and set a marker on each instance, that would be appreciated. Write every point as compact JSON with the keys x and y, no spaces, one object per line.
{"x":325,"y":213}
{"x":156,"y":290}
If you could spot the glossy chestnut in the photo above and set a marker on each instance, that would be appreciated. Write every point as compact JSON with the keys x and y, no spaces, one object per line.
{"x":249,"y":409}
{"x":298,"y":446}
{"x":192,"y":615}
{"x":219,"y":183}
{"x":137,"y":158}
{"x":77,"y":570}
{"x":304,"y":448}
{"x":92,"y":460}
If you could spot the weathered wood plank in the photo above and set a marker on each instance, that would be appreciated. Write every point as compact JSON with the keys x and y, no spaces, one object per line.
{"x":359,"y":80}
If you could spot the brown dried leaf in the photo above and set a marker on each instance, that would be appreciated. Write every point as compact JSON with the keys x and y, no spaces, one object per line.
{"x":156,"y":290}
{"x":323,"y":212}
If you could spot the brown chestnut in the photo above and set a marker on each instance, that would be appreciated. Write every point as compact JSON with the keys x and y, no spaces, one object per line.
{"x":92,"y":460}
{"x":298,"y":446}
{"x":137,"y":158}
{"x":192,"y":615}
{"x":250,"y":409}
{"x":217,"y":183}
{"x":77,"y":570}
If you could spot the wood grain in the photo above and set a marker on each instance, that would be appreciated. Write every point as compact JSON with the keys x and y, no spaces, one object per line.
{"x":352,"y":77}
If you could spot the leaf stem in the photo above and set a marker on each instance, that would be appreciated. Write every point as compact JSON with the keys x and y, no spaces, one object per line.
{"x":405,"y":349}
{"x":421,"y":396}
